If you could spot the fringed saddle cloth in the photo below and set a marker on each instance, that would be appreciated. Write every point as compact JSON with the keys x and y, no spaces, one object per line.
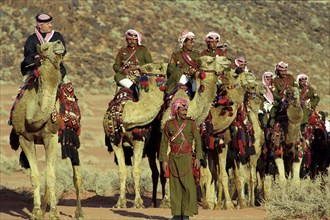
{"x":70,"y":116}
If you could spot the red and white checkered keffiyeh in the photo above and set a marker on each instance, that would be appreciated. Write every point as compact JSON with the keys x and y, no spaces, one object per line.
{"x":133,"y":34}
{"x":302,"y":75}
{"x":178,"y":103}
{"x":269,"y":95}
{"x":212,"y":36}
{"x":184,"y":35}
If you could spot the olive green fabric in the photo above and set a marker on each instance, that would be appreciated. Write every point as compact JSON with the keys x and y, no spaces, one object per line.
{"x":182,"y":184}
{"x":308,"y":96}
{"x":142,"y":55}
{"x":279,"y":84}
{"x":267,"y":118}
{"x":174,"y":67}
{"x":212,"y":53}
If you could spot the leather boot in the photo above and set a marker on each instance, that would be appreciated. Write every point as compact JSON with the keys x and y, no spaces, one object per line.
{"x":135,"y":91}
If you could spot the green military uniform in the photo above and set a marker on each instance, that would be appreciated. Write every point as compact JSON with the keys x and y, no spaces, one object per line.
{"x":141,"y":56}
{"x":308,"y":95}
{"x":282,"y":84}
{"x":182,"y":183}
{"x":266,"y":114}
{"x":212,"y":53}
{"x":174,"y":68}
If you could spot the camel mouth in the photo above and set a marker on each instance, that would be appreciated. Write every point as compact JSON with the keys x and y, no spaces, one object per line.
{"x":59,"y":51}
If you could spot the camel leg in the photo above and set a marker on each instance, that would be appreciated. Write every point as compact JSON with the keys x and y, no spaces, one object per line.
{"x":239,"y":173}
{"x":280,"y":168}
{"x":296,"y":171}
{"x":29,"y":149}
{"x":154,"y":176}
{"x":267,"y":184}
{"x":119,"y":152}
{"x":219,"y":199}
{"x":253,"y":178}
{"x":162,"y":180}
{"x":248,"y":175}
{"x":224,"y":181}
{"x":77,"y":183}
{"x":202,"y":182}
{"x":166,"y":201}
{"x":51,"y":148}
{"x":138,"y":151}
{"x":207,"y":188}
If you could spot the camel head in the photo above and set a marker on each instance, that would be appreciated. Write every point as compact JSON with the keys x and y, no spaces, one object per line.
{"x":219,"y":63}
{"x":154,"y":68}
{"x":255,"y":92}
{"x":292,"y":93}
{"x":256,"y":88}
{"x":246,"y":78}
{"x":52,"y":51}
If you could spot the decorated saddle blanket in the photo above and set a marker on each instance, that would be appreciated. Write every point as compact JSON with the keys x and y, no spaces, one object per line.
{"x":70,"y":117}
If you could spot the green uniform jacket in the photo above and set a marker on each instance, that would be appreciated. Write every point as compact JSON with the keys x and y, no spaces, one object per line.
{"x":279,"y":84}
{"x":212,"y":53}
{"x":174,"y":67}
{"x":142,"y":56}
{"x":308,"y":94}
{"x":182,"y":186}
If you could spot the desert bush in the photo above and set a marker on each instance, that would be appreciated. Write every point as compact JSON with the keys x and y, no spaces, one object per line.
{"x":9,"y":165}
{"x":308,"y":200}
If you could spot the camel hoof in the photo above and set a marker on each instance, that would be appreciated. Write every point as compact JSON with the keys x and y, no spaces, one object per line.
{"x":217,"y":207}
{"x":138,"y":203}
{"x":205,"y":205}
{"x":229,"y":206}
{"x":211,"y":206}
{"x":121,"y":203}
{"x":79,"y":215}
{"x":153,"y":204}
{"x":242,"y":205}
{"x":53,"y":214}
{"x":165,"y":203}
{"x":36,"y":214}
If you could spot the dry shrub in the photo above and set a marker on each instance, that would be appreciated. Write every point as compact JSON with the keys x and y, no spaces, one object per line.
{"x":9,"y":165}
{"x":308,"y":200}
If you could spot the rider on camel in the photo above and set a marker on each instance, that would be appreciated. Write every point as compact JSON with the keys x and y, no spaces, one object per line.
{"x":128,"y":61}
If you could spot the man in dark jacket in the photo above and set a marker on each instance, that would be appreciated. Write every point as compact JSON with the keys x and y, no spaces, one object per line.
{"x":43,"y":33}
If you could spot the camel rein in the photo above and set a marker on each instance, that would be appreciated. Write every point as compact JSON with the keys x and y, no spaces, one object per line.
{"x":47,"y":57}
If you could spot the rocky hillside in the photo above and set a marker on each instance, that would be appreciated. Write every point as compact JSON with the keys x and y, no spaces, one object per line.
{"x":265,"y":32}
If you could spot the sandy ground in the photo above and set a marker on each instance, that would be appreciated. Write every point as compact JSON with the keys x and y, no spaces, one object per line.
{"x":15,"y":205}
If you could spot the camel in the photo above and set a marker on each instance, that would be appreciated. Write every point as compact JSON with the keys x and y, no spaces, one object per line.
{"x":233,"y":84}
{"x":134,"y":116}
{"x":319,"y":141}
{"x":200,"y":105}
{"x":292,"y":144}
{"x":255,"y":93}
{"x":35,"y":122}
{"x":289,"y":144}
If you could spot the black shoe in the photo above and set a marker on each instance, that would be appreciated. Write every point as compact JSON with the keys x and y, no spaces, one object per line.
{"x":135,"y":91}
